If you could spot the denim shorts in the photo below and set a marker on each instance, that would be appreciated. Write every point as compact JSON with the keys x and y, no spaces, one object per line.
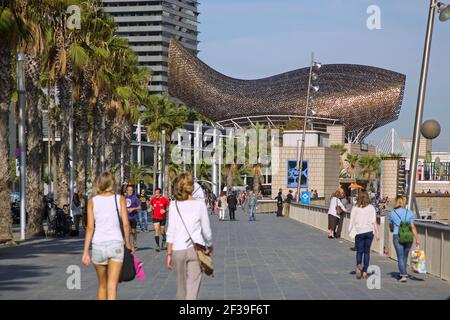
{"x":102,"y":252}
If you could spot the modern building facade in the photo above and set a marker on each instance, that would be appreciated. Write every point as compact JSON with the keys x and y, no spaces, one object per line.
{"x":148,"y":26}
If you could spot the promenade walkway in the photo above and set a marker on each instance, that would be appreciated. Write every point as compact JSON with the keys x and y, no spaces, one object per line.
{"x":272,"y":258}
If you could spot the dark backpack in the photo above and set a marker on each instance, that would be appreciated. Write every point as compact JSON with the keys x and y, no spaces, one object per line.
{"x":405,"y":234}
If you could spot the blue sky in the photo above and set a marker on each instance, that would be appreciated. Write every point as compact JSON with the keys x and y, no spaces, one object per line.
{"x":251,"y":39}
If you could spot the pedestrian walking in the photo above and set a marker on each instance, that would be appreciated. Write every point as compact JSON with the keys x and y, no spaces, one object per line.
{"x":104,"y":232}
{"x":341,"y":213}
{"x":335,"y":211}
{"x":232,"y":206}
{"x":363,"y":219}
{"x":251,"y":203}
{"x":289,"y":200}
{"x":160,"y":205}
{"x":188,"y":219}
{"x":133,"y":207}
{"x":143,"y":213}
{"x":222,"y":205}
{"x":279,"y":199}
{"x":76,"y":212}
{"x":401,"y":222}
{"x":212,"y":202}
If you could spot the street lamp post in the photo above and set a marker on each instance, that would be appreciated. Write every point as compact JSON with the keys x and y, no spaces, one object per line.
{"x":305,"y":120}
{"x":22,"y":145}
{"x":163,"y":160}
{"x":444,"y":15}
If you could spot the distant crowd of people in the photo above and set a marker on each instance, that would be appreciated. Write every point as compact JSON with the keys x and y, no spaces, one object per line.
{"x":436,"y":192}
{"x":181,"y":222}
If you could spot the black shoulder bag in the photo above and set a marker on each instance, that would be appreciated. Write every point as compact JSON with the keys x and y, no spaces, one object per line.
{"x":128,"y":271}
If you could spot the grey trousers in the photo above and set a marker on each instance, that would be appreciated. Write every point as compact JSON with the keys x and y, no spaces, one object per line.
{"x":189,"y":275}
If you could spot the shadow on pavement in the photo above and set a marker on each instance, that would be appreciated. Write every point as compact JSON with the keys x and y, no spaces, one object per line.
{"x":68,"y":246}
{"x":16,"y":277}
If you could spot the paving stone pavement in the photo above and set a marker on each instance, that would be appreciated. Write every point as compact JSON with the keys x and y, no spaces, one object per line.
{"x":272,"y":258}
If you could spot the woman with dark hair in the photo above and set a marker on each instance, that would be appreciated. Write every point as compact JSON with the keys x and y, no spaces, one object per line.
{"x":279,"y":199}
{"x":222,"y":204}
{"x":363,"y":223}
{"x":77,"y":212}
{"x":334,"y":212}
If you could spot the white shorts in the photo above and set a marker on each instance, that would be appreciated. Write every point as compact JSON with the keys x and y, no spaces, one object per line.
{"x":103,"y":252}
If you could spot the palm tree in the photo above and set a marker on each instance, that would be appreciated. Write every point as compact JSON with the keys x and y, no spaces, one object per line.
{"x":34,"y":16}
{"x":161,"y":114}
{"x":174,"y":170}
{"x":204,"y":171}
{"x":11,"y":27}
{"x":256,"y":167}
{"x":370,"y":166}
{"x":138,"y":172}
{"x":352,"y":160}
{"x":63,"y":69}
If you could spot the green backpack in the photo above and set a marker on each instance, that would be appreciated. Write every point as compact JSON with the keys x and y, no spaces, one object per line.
{"x":405,"y":234}
{"x":219,"y":204}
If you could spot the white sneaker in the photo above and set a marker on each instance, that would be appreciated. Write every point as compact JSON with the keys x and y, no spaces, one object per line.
{"x":403,"y":279}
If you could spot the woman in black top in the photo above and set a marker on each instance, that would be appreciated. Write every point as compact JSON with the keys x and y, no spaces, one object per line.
{"x":279,"y":199}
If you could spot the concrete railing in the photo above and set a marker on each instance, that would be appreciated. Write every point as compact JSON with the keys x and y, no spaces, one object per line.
{"x":434,"y":237}
{"x":317,"y":217}
{"x":266,"y":206}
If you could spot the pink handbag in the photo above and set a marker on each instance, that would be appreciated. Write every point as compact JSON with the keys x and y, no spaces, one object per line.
{"x":139,"y":266}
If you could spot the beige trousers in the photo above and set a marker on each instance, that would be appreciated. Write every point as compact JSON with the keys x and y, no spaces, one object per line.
{"x":189,"y":275}
{"x":286,"y":209}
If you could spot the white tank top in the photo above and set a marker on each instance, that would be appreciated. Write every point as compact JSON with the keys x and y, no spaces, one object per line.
{"x":107,"y":226}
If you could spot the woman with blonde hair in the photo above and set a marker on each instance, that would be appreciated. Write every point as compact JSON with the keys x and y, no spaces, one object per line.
{"x":402,"y":215}
{"x":188,"y":224}
{"x":104,"y":231}
{"x":363,"y":219}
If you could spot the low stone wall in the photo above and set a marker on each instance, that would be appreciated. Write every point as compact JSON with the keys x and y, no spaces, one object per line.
{"x":438,"y":203}
{"x":317,"y":217}
{"x":266,"y":206}
{"x":434,"y":237}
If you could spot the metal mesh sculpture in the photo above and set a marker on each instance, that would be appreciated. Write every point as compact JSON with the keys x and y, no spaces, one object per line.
{"x":362,"y":98}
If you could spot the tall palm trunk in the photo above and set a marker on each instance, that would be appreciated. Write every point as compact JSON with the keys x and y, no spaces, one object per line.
{"x":34,"y":187}
{"x":127,"y":148}
{"x":97,"y":143}
{"x":62,"y":192}
{"x":256,"y":177}
{"x":81,"y":146}
{"x":51,"y":129}
{"x":113,"y":132}
{"x":231,"y":171}
{"x":6,"y":87}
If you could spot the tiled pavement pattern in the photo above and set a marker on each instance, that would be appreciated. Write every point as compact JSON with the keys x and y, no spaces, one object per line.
{"x":272,"y":258}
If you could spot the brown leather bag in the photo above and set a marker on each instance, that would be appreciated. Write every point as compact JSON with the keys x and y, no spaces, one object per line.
{"x":203,"y":253}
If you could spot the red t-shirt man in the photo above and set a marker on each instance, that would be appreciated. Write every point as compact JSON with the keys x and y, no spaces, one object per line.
{"x":158,"y":204}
